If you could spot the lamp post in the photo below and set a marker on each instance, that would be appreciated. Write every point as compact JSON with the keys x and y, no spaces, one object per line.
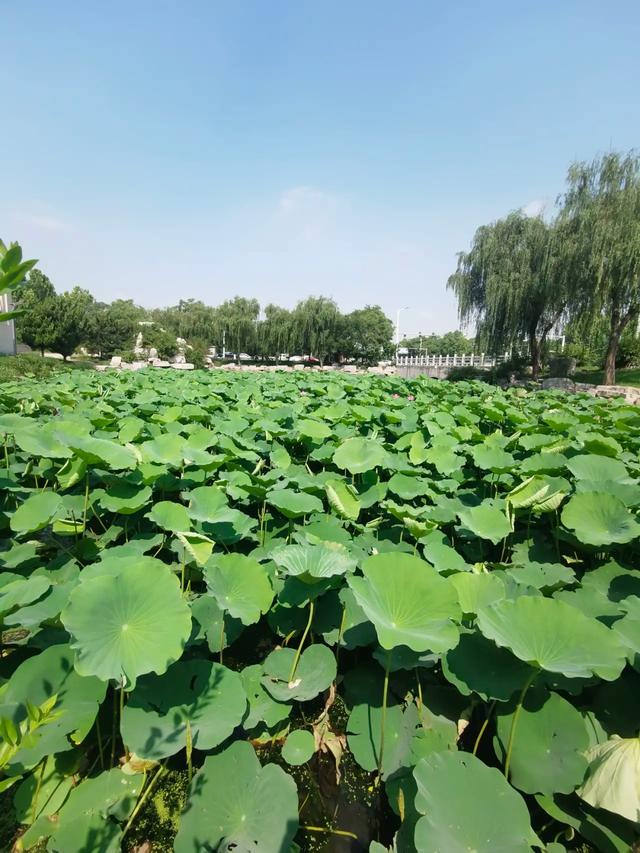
{"x":398,"y":312}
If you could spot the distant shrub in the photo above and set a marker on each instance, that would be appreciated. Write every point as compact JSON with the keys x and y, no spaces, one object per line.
{"x":460,"y":374}
{"x":197,"y":354}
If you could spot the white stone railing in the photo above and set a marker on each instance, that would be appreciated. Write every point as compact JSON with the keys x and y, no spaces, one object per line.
{"x":455,"y":360}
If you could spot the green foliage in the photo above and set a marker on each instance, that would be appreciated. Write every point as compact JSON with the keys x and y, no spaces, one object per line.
{"x":434,"y":591}
{"x":160,"y":339}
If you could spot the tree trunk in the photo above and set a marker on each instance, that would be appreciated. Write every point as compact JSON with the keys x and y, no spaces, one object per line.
{"x":42,"y":351}
{"x":534,"y":350}
{"x":618,"y":325}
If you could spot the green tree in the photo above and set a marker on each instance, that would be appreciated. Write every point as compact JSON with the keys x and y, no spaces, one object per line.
{"x":162,"y":340}
{"x":274,"y":332}
{"x":316,"y":327}
{"x":367,"y":335}
{"x":112,"y":327}
{"x":601,"y":212}
{"x":513,"y":283}
{"x":237,"y":319}
{"x":36,"y":299}
{"x":71,"y":311}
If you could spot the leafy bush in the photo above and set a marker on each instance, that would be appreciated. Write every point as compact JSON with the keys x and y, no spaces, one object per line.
{"x":460,"y":374}
{"x":432,"y":586}
{"x":197,"y":354}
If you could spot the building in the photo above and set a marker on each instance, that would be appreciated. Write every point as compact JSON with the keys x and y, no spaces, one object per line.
{"x":7,"y":329}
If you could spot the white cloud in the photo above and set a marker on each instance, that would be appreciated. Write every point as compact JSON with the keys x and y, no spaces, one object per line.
{"x":535,"y":207}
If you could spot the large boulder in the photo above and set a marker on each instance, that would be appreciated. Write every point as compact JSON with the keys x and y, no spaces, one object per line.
{"x":559,"y":383}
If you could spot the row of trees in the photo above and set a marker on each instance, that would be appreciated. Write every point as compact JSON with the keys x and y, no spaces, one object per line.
{"x":63,"y":322}
{"x":525,"y":275}
{"x":448,"y":344}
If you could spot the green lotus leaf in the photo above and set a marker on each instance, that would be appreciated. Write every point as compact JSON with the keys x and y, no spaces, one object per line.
{"x":206,"y":696}
{"x":124,"y":498}
{"x":315,"y":672}
{"x":443,"y":557}
{"x":477,"y":665}
{"x":127,"y":625}
{"x":468,"y":806}
{"x":485,"y":521}
{"x":597,"y":518}
{"x":293,"y":504}
{"x":354,"y":629}
{"x":240,"y":585}
{"x":313,"y":563}
{"x":343,"y":499}
{"x":444,"y":460}
{"x":262,"y":707}
{"x":164,"y":450}
{"x":205,"y":502}
{"x":476,"y":591}
{"x":548,"y":749}
{"x":37,"y":511}
{"x":298,"y":747}
{"x":44,"y":792}
{"x":408,"y":488}
{"x":170,"y":516}
{"x":492,"y":459}
{"x":613,"y":778}
{"x":255,"y":809}
{"x":219,"y":628}
{"x":408,"y":602}
{"x":100,"y":451}
{"x":84,"y":821}
{"x":363,"y":735}
{"x":554,"y":636}
{"x":589,"y":466}
{"x":358,"y":455}
{"x":41,"y":441}
{"x":315,"y":430}
{"x":23,"y":591}
{"x":197,"y":547}
{"x":51,"y":673}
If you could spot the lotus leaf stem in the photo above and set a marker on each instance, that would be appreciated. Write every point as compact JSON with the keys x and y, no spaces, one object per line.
{"x":294,"y":665}
{"x":114,"y":728}
{"x":189,"y":748}
{"x":385,"y":690}
{"x":161,"y":771}
{"x":34,"y":811}
{"x":341,"y":832}
{"x":99,"y":736}
{"x":514,"y":721}
{"x":86,"y":501}
{"x":221,"y":635}
{"x":340,"y":633}
{"x":483,"y":727}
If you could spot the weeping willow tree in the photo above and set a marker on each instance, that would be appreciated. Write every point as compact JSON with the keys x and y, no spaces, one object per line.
{"x":601,"y":211}
{"x":511,"y":283}
{"x":316,"y":325}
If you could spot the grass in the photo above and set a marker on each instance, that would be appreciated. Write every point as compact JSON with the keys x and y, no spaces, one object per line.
{"x":624,"y":376}
{"x":30,"y":365}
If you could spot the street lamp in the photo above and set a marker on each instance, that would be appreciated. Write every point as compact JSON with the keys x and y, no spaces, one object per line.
{"x":406,"y":308}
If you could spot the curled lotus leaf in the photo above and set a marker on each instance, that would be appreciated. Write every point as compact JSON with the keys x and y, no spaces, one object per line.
{"x":613,"y":778}
{"x":554,"y":636}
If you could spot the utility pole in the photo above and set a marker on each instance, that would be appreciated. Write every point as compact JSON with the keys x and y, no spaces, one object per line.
{"x":406,"y":308}
{"x":224,"y":340}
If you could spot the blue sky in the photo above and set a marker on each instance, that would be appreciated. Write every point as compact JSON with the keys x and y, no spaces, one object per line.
{"x":160,"y":150}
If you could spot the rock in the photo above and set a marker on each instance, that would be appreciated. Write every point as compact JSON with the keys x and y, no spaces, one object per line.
{"x":153,"y":352}
{"x":630,"y":394}
{"x":158,"y":362}
{"x":116,"y":361}
{"x":562,"y":366}
{"x":182,"y":365}
{"x":179,"y":359}
{"x":559,"y":383}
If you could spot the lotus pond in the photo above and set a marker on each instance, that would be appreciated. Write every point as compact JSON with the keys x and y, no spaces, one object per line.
{"x":307,"y":612}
